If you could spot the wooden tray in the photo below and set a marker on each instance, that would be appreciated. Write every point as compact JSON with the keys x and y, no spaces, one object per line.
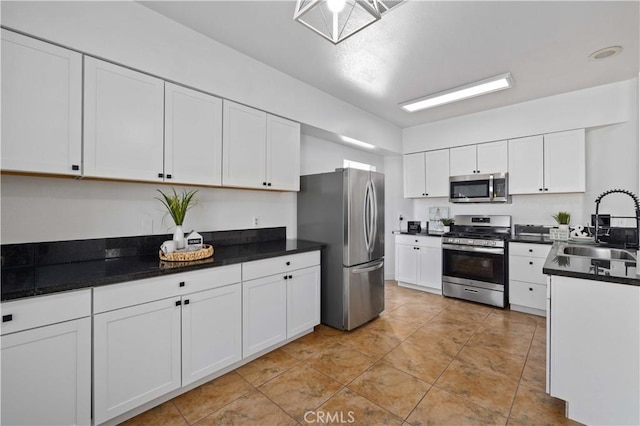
{"x":187,"y":256}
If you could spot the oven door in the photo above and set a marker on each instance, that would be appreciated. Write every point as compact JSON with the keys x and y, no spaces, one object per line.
{"x":480,"y":266}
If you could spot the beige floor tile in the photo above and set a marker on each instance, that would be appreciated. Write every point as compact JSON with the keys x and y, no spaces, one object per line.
{"x":347,"y":407}
{"x":505,"y":324}
{"x":485,"y":388}
{"x":534,"y":407}
{"x":370,"y":342}
{"x":535,"y":374}
{"x":515,"y":316}
{"x":267,"y":367}
{"x":414,"y":313}
{"x":308,"y":345}
{"x":393,"y":327}
{"x":504,"y":363}
{"x":414,"y":360}
{"x":300,"y":389}
{"x":442,"y":408}
{"x":504,"y":342}
{"x":205,"y":399}
{"x":435,"y":341}
{"x":340,"y":362}
{"x":327,"y":330}
{"x":163,"y":415}
{"x":540,"y":336}
{"x":252,"y":409}
{"x":458,"y":331}
{"x":469,"y":316}
{"x":390,"y":388}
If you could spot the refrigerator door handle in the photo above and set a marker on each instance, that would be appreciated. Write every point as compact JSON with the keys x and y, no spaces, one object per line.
{"x":374,"y":225}
{"x":369,"y":268}
{"x":365,"y":217}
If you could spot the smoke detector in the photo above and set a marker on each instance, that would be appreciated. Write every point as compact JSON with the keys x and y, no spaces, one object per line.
{"x":607,"y":52}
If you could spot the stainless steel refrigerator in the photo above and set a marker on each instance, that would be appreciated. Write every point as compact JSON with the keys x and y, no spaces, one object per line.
{"x":345,"y":210}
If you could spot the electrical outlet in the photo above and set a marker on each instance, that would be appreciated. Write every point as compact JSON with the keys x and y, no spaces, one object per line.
{"x":255,"y":221}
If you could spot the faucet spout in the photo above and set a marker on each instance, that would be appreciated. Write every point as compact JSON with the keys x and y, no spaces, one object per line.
{"x":636,"y":202}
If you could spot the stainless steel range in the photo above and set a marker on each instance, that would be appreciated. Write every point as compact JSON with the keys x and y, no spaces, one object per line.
{"x":474,"y":259}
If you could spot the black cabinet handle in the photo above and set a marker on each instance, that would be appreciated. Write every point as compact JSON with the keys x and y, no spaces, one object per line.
{"x":181,"y":284}
{"x":7,"y":318}
{"x":288,"y":263}
{"x":160,"y":175}
{"x":539,"y":189}
{"x":290,"y":277}
{"x":75,"y":167}
{"x":530,"y":289}
{"x":186,"y":302}
{"x":285,"y":277}
{"x":530,"y":250}
{"x":427,"y":194}
{"x":530,"y":263}
{"x":269,"y":184}
{"x":264,"y":183}
{"x":178,"y":303}
{"x":478,"y":171}
{"x":546,"y":189}
{"x":168,"y":176}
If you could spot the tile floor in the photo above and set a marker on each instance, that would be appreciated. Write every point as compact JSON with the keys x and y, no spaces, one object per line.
{"x":426,"y":360}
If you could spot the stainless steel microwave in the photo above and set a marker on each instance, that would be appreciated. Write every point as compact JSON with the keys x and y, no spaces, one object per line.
{"x":486,"y":188}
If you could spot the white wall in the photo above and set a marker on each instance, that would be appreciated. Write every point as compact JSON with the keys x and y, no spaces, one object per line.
{"x":128,"y":33}
{"x":395,"y":203}
{"x":321,"y":156}
{"x":49,"y":209}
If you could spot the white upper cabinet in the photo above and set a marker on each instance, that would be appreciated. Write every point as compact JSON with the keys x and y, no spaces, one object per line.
{"x":491,"y":157}
{"x":192,"y":137}
{"x":123,"y":123}
{"x":41,"y":107}
{"x":551,"y":163}
{"x":283,"y":154}
{"x":426,"y":174}
{"x":259,"y":150}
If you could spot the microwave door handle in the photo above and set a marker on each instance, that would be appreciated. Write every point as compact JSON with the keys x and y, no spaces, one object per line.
{"x":491,"y":194}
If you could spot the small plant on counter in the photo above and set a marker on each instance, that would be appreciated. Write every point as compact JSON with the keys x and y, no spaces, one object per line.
{"x":563,"y":218}
{"x":446,"y":221}
{"x":177,"y":205}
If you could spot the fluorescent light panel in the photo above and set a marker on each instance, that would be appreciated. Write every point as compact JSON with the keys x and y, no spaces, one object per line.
{"x":478,"y":88}
{"x":356,"y":142}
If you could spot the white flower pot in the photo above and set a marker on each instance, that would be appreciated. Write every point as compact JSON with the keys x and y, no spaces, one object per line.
{"x":563,"y":227}
{"x":178,"y":237}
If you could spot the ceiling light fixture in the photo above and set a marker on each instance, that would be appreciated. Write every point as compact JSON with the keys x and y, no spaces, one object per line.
{"x":357,"y":142}
{"x":493,"y":84}
{"x":607,"y":52}
{"x":337,"y":20}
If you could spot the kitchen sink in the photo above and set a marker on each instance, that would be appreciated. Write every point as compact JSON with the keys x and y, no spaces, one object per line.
{"x":598,"y":253}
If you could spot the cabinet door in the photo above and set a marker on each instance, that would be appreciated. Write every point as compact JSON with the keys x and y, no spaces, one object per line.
{"x":526,"y":165}
{"x":414,"y":175}
{"x":136,"y":356}
{"x":437,"y":173}
{"x":123,"y":122}
{"x":430,"y":267}
{"x":41,"y":106}
{"x":264,"y":313}
{"x":564,"y":161}
{"x":193,"y":137}
{"x":46,"y":375}
{"x":493,"y":157}
{"x":463,"y":160}
{"x":283,"y":154}
{"x":303,"y":300}
{"x":211,"y":331}
{"x":406,"y":264}
{"x":243,"y":146}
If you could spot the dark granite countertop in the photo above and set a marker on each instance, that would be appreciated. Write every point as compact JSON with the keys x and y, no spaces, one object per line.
{"x":614,"y":271}
{"x":420,"y":234}
{"x":532,"y":239}
{"x":22,"y":277}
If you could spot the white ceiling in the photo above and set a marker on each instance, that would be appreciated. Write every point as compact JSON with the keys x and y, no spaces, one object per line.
{"x":424,"y":47}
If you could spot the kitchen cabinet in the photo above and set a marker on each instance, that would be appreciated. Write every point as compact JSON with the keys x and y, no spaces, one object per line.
{"x":41,"y":107}
{"x":550,"y":163}
{"x":527,"y":283}
{"x":491,"y":157}
{"x":280,"y":299}
{"x":260,"y":150}
{"x":419,"y":262}
{"x":594,"y":349}
{"x":192,"y":137}
{"x":123,"y":123}
{"x":46,"y":360}
{"x":426,"y":174}
{"x":156,"y":335}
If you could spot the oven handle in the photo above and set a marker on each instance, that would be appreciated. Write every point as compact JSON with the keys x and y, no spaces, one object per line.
{"x":456,"y":247}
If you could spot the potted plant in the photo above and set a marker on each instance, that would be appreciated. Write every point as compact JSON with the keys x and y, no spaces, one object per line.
{"x":447,"y":222}
{"x":177,"y":206}
{"x":563,"y":219}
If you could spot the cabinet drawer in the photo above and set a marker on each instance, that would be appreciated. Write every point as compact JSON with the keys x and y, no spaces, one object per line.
{"x":527,"y":269}
{"x":528,"y":294}
{"x":419,"y":241}
{"x":110,"y":297}
{"x":530,"y":250}
{"x":38,"y":311}
{"x":277,"y":265}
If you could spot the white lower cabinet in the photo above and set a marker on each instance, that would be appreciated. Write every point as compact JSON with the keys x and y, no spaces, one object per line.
{"x":419,"y":262}
{"x":527,"y":283}
{"x":46,"y":364}
{"x":303,"y":300}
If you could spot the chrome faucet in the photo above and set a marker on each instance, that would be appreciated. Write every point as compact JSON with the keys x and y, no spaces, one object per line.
{"x":637,"y":205}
